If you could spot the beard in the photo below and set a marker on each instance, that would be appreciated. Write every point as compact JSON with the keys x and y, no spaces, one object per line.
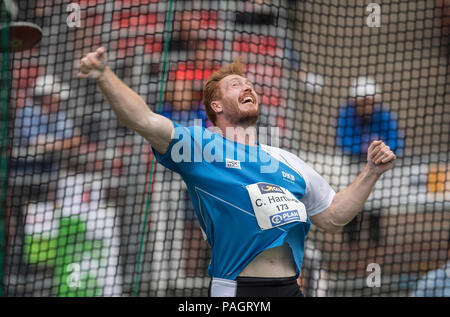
{"x":242,"y":117}
{"x":247,"y":118}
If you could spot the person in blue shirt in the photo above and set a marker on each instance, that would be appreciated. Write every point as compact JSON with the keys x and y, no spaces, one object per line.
{"x":255,"y":203}
{"x":363,"y":119}
{"x":42,"y":129}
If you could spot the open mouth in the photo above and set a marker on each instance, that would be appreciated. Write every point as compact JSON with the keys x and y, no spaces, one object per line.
{"x":248,"y":99}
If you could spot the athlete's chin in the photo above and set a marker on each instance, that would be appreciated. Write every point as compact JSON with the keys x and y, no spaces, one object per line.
{"x":243,"y":115}
{"x":248,"y":119}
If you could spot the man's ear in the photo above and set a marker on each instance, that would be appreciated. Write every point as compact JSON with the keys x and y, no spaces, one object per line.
{"x":216,"y":106}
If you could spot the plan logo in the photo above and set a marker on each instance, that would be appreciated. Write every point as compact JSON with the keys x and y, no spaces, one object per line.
{"x":284,"y":217}
{"x":266,"y":188}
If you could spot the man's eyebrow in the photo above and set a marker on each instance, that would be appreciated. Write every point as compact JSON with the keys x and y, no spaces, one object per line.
{"x":232,"y":80}
{"x":240,"y":80}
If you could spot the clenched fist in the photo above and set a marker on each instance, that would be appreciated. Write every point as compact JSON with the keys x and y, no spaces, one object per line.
{"x":380,"y":157}
{"x":93,"y":64}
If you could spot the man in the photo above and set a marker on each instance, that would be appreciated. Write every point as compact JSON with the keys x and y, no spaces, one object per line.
{"x":254,"y":203}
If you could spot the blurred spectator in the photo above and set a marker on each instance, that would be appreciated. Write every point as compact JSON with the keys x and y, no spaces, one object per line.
{"x":435,"y":283}
{"x":42,"y":135}
{"x":361,"y":120}
{"x":42,"y":129}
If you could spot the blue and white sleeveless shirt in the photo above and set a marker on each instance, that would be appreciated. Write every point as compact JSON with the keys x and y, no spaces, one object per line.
{"x":247,"y":198}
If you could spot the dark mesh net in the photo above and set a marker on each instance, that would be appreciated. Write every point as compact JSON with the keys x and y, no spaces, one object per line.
{"x":88,"y":212}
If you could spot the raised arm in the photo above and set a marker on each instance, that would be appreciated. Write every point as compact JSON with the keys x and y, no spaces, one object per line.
{"x":348,"y":202}
{"x":128,"y":106}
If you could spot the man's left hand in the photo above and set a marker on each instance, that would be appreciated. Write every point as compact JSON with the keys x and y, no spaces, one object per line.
{"x":380,"y":158}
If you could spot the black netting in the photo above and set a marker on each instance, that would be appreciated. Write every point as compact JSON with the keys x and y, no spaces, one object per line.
{"x":89,"y":213}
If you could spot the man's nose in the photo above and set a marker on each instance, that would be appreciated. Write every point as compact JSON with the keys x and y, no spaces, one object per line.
{"x":247,"y":88}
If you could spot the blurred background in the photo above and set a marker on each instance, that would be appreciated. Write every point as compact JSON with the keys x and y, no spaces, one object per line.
{"x":88,"y":212}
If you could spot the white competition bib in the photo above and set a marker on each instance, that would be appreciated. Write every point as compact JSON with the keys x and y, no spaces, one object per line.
{"x":275,"y":206}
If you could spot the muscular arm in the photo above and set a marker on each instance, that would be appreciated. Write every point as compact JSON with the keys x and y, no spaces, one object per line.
{"x":347,"y":203}
{"x":128,"y":106}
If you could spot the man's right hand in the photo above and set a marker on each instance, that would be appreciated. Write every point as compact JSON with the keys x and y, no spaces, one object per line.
{"x":128,"y":106}
{"x":93,"y":64}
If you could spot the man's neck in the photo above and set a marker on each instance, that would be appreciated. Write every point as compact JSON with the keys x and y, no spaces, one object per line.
{"x":238,"y":133}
